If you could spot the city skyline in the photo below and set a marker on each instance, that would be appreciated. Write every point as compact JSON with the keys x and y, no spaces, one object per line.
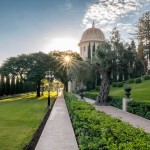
{"x":35,"y":25}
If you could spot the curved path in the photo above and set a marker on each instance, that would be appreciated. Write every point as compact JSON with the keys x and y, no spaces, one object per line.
{"x":132,"y":119}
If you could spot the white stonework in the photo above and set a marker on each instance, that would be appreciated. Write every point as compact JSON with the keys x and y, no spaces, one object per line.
{"x":92,"y":36}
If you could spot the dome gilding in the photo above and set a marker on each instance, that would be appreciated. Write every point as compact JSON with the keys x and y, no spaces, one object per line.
{"x":92,"y":34}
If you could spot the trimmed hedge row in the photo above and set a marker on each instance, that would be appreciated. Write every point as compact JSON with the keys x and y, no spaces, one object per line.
{"x":96,"y":130}
{"x":112,"y":101}
{"x":146,"y":77}
{"x":117,"y":84}
{"x":139,"y":108}
{"x":90,"y":95}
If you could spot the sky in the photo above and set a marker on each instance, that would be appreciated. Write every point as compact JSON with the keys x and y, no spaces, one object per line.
{"x":28,"y":26}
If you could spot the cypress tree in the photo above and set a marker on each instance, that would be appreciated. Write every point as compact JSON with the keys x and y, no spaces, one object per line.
{"x":12,"y":86}
{"x":3,"y":84}
{"x":7,"y":85}
{"x":89,"y":51}
{"x":1,"y":93}
{"x":21,"y":86}
{"x":17,"y":85}
{"x":93,"y":51}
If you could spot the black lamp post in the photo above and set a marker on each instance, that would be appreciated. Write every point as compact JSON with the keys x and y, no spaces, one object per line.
{"x":50,"y":77}
{"x":57,"y":83}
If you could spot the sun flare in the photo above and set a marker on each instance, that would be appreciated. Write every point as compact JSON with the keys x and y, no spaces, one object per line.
{"x":67,"y":59}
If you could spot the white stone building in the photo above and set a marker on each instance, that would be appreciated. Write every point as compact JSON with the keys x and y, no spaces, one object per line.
{"x":90,"y":40}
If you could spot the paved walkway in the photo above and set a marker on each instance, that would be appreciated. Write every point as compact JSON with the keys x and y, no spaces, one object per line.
{"x":58,"y":133}
{"x":134,"y":120}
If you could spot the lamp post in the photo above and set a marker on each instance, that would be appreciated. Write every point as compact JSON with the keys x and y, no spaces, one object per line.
{"x":57,"y":83}
{"x":50,"y":77}
{"x":67,"y":61}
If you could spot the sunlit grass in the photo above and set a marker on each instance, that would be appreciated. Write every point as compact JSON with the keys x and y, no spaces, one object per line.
{"x":19,"y":118}
{"x":139,"y":92}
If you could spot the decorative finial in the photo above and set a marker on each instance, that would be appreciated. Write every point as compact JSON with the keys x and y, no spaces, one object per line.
{"x":93,"y":25}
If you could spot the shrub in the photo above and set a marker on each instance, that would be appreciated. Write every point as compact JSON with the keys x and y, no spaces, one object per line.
{"x":138,"y":80}
{"x":120,"y":84}
{"x":146,"y":77}
{"x":96,"y":130}
{"x":131,"y":81}
{"x":91,"y":95}
{"x":97,"y":88}
{"x":114,"y":101}
{"x":139,"y":108}
{"x":114,"y":84}
{"x":147,"y":116}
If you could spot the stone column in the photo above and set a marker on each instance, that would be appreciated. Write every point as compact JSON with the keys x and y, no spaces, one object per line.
{"x":125,"y":103}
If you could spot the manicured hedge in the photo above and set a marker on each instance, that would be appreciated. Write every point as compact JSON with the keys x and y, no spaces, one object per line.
{"x":130,"y":81}
{"x":146,"y":77}
{"x":95,"y":130}
{"x":138,"y":80}
{"x":117,"y":84}
{"x":140,"y":108}
{"x":91,"y":95}
{"x":114,"y":101}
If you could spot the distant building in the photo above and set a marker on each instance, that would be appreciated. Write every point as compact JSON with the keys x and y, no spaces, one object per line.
{"x":90,"y":40}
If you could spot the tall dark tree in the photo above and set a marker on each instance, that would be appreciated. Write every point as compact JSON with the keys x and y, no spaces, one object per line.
{"x":1,"y":91}
{"x":12,"y":85}
{"x":40,"y":63}
{"x":104,"y":66}
{"x":143,"y":35}
{"x":115,"y":46}
{"x":32,"y":67}
{"x":7,"y":85}
{"x":17,"y":85}
{"x":142,"y":57}
{"x":89,"y":51}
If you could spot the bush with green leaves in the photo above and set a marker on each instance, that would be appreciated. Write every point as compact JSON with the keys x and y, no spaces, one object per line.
{"x":96,"y":130}
{"x":147,"y":116}
{"x":146,"y":77}
{"x":114,"y":101}
{"x":114,"y":84}
{"x":120,"y":84}
{"x":139,"y":108}
{"x":117,"y":84}
{"x":91,"y":95}
{"x":130,"y":81}
{"x":138,"y":80}
{"x":97,"y":88}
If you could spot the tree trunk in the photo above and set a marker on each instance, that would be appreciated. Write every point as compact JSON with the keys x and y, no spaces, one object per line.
{"x":38,"y":89}
{"x":66,"y":87}
{"x":105,"y":87}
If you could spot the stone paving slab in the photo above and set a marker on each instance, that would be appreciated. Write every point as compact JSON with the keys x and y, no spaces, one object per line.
{"x":134,"y":120}
{"x":58,"y":133}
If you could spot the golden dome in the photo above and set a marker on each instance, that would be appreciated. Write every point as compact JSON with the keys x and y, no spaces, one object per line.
{"x":92,"y":34}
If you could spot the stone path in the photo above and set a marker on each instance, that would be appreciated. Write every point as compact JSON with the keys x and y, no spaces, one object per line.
{"x":134,"y":120}
{"x":58,"y":133}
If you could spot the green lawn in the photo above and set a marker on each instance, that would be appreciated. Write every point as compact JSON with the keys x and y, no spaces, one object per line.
{"x":140,"y":92}
{"x":19,"y":118}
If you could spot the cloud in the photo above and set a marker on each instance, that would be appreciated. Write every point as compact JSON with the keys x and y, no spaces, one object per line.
{"x":110,"y":13}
